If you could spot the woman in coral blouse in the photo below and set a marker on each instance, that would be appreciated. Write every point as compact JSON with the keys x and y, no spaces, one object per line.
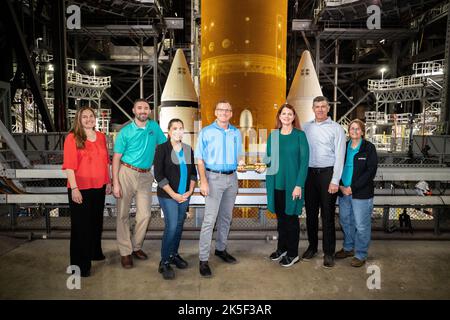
{"x":86,"y":162}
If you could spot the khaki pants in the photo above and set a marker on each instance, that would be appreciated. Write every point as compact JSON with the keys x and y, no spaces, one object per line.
{"x":139,"y":185}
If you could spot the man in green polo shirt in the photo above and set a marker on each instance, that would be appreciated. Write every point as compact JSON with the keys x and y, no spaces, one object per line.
{"x":134,"y":151}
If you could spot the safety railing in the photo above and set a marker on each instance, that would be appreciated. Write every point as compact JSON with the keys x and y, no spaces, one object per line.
{"x":429,"y":68}
{"x":50,"y":210}
{"x":396,"y":83}
{"x":85,"y":80}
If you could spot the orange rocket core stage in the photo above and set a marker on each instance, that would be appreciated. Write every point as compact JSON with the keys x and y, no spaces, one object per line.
{"x":243,"y":45}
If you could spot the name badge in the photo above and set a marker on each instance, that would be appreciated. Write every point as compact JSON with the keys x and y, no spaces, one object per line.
{"x":362,"y":158}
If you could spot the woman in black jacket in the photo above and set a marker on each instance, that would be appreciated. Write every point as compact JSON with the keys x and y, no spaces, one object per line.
{"x":175,"y":172}
{"x":356,"y":192}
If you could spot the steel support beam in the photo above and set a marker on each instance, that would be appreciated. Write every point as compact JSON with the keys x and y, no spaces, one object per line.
{"x":5,"y":104}
{"x":318,"y":56}
{"x":355,"y":105}
{"x":133,"y":85}
{"x":246,"y":200}
{"x":336,"y":87}
{"x":59,"y":64}
{"x":336,"y":75}
{"x":12,"y":144}
{"x":117,"y":105}
{"x":155,"y":78}
{"x":393,"y":65}
{"x":16,"y":37}
{"x":388,"y":174}
{"x":349,"y":65}
{"x":141,"y":69}
{"x":446,"y":87}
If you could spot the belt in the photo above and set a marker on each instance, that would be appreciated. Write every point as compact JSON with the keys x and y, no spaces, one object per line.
{"x":320,"y":170}
{"x":221,"y":172}
{"x":134,"y":168}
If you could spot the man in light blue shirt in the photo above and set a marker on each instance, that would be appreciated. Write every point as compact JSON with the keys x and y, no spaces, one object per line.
{"x":326,"y":140}
{"x":218,"y":152}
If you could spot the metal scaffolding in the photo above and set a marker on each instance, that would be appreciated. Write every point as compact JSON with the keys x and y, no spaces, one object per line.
{"x":82,"y":88}
{"x":393,"y":131}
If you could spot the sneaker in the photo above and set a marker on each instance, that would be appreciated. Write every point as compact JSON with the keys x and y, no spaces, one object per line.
{"x":225,"y":256}
{"x":357,"y":263}
{"x":277,"y":255}
{"x":166,"y":270}
{"x":328,"y":261}
{"x":287,"y":261}
{"x":342,"y":254}
{"x":178,"y":261}
{"x":205,"y":271}
{"x":309,"y":254}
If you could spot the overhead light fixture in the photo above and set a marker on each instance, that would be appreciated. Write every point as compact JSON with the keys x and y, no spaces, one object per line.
{"x":37,"y":42}
{"x":383,"y":70}
{"x":94,"y":66}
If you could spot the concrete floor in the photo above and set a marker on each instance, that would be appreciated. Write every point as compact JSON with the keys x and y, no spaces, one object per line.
{"x":409,"y":270}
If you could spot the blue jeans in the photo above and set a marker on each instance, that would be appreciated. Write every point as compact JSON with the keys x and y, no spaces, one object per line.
{"x":174,"y":215}
{"x":355,"y":218}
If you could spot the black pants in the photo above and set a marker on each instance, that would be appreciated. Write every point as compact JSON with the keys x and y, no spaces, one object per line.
{"x":86,"y":227}
{"x":288,"y":226}
{"x":317,"y":196}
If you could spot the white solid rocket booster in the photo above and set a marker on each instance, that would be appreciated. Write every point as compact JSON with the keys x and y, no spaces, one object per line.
{"x":179,"y":99}
{"x":305,"y":87}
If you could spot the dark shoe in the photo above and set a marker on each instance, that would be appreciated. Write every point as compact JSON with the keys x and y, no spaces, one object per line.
{"x":357,"y":263}
{"x":328,"y":261}
{"x":140,"y":255}
{"x":86,"y":273}
{"x":225,"y":256}
{"x":309,"y":254}
{"x":342,"y":254}
{"x":287,"y":261}
{"x":178,"y":261}
{"x":277,"y":255}
{"x":98,"y":257}
{"x":127,"y":262}
{"x":166,"y":270}
{"x":205,"y":271}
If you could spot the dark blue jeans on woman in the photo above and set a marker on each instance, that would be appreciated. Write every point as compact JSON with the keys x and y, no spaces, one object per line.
{"x":174,"y":215}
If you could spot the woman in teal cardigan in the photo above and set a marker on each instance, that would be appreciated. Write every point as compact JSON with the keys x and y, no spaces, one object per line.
{"x":287,"y":160}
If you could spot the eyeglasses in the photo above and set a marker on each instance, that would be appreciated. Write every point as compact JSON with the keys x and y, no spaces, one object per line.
{"x":224,"y":110}
{"x":355,"y":129}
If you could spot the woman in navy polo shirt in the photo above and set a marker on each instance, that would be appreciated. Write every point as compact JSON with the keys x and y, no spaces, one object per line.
{"x":176,"y":175}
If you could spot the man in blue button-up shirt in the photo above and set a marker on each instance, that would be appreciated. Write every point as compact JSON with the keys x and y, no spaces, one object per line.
{"x":326,"y":140}
{"x":218,"y":152}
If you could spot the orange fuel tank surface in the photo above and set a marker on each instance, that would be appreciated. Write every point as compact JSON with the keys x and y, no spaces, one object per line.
{"x":243,"y":54}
